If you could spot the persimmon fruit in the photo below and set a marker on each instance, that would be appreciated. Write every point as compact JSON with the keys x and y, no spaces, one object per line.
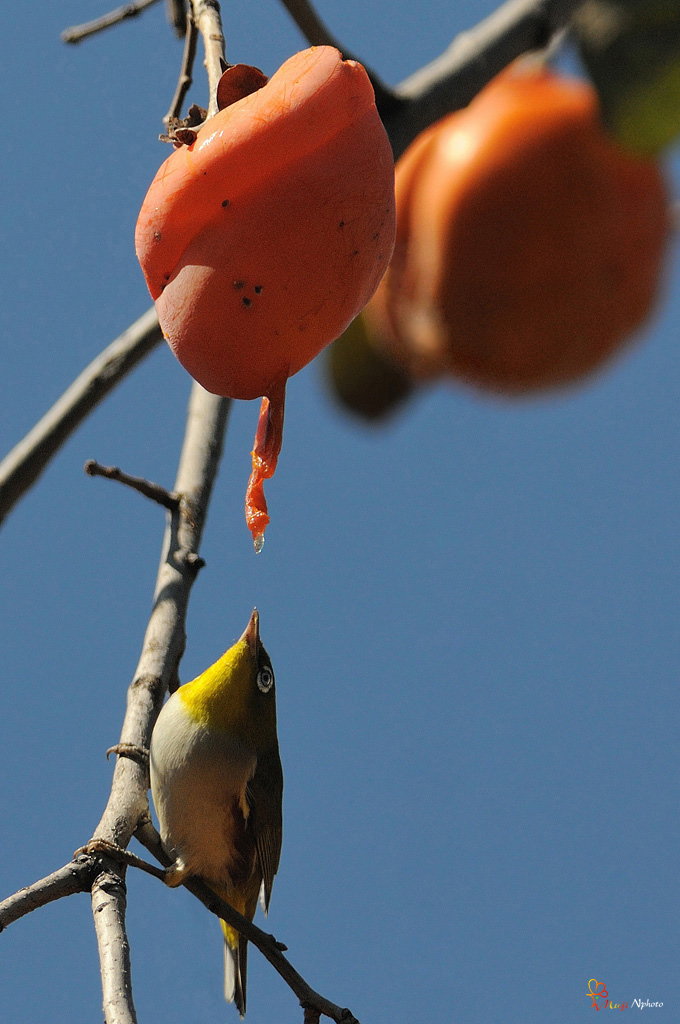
{"x":264,"y":238}
{"x":529,"y":243}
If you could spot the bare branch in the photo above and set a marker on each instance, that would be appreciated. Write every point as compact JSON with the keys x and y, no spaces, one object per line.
{"x":24,"y":464}
{"x":109,"y":902}
{"x":162,"y":649}
{"x":72,"y":878}
{"x":272,"y":951}
{"x":177,"y":15}
{"x":185,"y":79}
{"x":165,"y":637}
{"x":77,"y":33}
{"x":154,"y":492}
{"x":157,"y":668}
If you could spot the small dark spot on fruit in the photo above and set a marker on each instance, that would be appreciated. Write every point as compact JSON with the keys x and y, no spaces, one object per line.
{"x":225,"y":202}
{"x":239,"y":284}
{"x":258,"y":289}
{"x":373,"y":237}
{"x":341,"y":224}
{"x":355,"y":252}
{"x":166,"y":277}
{"x":246,"y":301}
{"x":157,"y":236}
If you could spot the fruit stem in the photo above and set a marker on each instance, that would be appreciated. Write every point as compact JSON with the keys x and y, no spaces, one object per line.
{"x":268,"y":438}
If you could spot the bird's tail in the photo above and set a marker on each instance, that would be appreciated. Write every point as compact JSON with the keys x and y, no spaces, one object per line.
{"x":235,"y":967}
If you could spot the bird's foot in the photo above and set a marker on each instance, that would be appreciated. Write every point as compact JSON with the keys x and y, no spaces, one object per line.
{"x":176,"y":873}
{"x":106,"y":846}
{"x":131,"y":750}
{"x":98,"y":846}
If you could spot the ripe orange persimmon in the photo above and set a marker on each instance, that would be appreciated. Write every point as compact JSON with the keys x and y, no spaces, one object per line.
{"x":262,"y":239}
{"x":529,"y":243}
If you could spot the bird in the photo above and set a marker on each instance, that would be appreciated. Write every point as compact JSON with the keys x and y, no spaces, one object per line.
{"x":217,"y":787}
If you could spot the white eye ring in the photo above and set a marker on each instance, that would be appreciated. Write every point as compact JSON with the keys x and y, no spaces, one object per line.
{"x":265,"y":679}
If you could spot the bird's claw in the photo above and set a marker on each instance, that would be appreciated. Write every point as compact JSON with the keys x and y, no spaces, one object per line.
{"x":98,"y":846}
{"x":131,"y":750}
{"x":176,"y":873}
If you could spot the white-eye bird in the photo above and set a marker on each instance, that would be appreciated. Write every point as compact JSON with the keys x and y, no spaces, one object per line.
{"x":217,"y":786}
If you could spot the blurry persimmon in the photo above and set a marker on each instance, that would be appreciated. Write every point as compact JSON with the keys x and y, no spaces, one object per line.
{"x":262,"y":239}
{"x":529,"y":247}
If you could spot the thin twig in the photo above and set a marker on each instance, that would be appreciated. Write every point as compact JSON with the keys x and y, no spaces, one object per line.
{"x":79,"y":32}
{"x":176,"y":11}
{"x":272,"y":951}
{"x":72,"y":878}
{"x":316,"y":33}
{"x":185,"y":79}
{"x":161,"y":495}
{"x":24,"y":464}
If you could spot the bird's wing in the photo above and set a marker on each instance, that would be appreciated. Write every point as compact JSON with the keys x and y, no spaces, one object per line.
{"x":265,"y":796}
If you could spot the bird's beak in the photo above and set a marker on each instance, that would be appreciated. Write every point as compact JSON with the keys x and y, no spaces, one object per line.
{"x":252,"y":632}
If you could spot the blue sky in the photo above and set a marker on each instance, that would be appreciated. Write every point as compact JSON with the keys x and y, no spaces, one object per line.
{"x":472,"y":612}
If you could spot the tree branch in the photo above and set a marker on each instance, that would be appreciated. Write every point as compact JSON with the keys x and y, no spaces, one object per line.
{"x":164,"y":639}
{"x":109,"y":902}
{"x":157,"y":669}
{"x":177,"y":15}
{"x":23,"y":465}
{"x":185,"y":80}
{"x":73,"y":877}
{"x":77,"y":33}
{"x":272,"y":951}
{"x":154,"y":492}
